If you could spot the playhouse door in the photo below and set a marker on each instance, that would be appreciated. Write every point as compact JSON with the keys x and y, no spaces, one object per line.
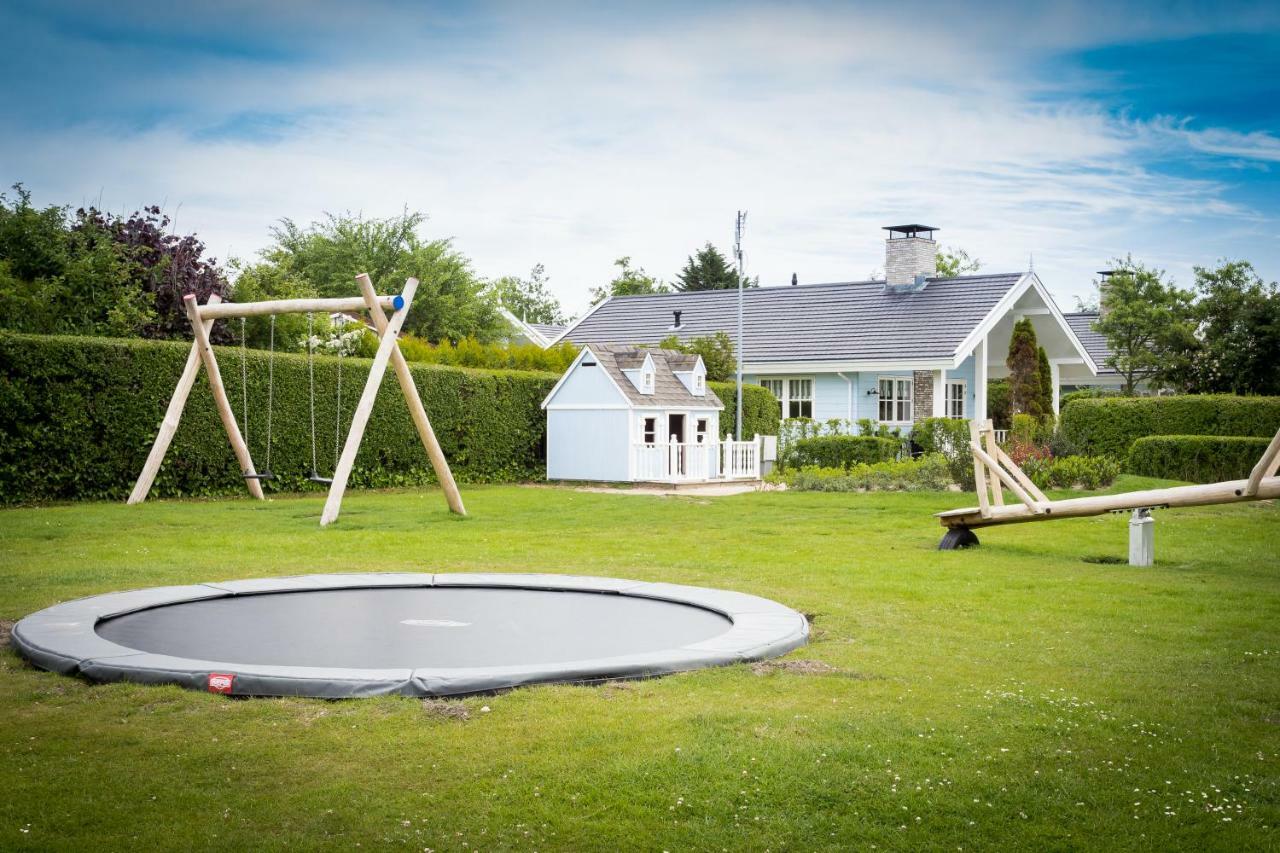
{"x":675,"y":430}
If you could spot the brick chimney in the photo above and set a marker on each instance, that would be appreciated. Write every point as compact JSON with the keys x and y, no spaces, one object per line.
{"x":1104,"y":285}
{"x":909,"y":256}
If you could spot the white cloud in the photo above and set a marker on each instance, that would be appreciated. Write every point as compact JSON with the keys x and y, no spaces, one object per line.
{"x":573,"y":145}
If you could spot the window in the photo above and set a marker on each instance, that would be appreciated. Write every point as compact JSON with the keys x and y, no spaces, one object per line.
{"x":895,"y":400}
{"x":956,"y":392}
{"x":701,"y":436}
{"x":650,"y":430}
{"x":646,"y":380}
{"x":799,"y":398}
{"x":795,"y":396}
{"x":698,"y":383}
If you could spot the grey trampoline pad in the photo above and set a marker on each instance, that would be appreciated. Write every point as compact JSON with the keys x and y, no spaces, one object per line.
{"x":414,"y":634}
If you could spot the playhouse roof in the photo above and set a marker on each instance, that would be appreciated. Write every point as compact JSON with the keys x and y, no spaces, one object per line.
{"x":668,"y":390}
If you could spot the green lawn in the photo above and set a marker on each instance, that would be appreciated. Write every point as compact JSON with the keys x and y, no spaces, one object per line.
{"x":1012,"y":696}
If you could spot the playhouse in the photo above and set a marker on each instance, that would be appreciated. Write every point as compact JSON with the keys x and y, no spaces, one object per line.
{"x":633,"y":414}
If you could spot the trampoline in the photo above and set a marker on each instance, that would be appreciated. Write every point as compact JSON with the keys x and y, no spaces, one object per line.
{"x":338,"y":636}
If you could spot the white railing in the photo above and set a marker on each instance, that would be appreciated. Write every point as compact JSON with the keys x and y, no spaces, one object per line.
{"x":1002,"y":435}
{"x":696,"y":462}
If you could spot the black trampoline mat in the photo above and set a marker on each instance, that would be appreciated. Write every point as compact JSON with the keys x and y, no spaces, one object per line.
{"x":413,"y":627}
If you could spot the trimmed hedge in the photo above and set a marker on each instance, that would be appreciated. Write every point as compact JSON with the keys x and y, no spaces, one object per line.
{"x":78,"y":416}
{"x":760,"y":411}
{"x":924,"y":473}
{"x":845,"y":451}
{"x":1196,"y":458}
{"x":1109,"y":426}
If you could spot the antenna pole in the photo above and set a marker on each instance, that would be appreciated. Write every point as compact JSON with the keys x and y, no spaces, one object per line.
{"x":738,"y":227}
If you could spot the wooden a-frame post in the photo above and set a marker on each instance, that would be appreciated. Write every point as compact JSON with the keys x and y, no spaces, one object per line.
{"x":202,"y":320}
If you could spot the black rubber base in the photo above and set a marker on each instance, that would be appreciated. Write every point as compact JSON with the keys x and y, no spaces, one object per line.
{"x":957,"y":537}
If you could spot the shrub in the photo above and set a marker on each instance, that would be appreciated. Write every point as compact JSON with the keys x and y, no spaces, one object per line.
{"x":1196,"y":458}
{"x":950,"y":438}
{"x":1071,"y":472}
{"x":844,"y":451}
{"x":926,"y":473}
{"x":1109,"y":426}
{"x":759,"y":409}
{"x":1088,"y":394}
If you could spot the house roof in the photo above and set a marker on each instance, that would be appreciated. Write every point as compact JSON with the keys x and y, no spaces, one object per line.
{"x":668,"y":391}
{"x":1081,"y":322}
{"x":547,"y":330}
{"x":843,"y":321}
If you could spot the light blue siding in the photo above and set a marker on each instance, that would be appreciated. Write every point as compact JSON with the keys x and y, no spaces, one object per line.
{"x":830,"y":396}
{"x":588,"y":445}
{"x":965,"y":371}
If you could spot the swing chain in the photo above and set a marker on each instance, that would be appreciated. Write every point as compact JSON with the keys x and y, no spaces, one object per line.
{"x":271,"y":386}
{"x":311,"y":391}
{"x":244,"y":386}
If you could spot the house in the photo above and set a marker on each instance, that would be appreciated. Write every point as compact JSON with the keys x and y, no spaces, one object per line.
{"x":542,"y":334}
{"x":912,"y":346}
{"x":1081,"y":322}
{"x":622,"y":413}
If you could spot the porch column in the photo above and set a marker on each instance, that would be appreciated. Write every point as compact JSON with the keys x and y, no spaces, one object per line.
{"x":939,"y":393}
{"x":980,"y":379}
{"x":1055,"y":370}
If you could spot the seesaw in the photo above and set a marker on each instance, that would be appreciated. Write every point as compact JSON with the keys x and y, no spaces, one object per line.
{"x":994,"y":471}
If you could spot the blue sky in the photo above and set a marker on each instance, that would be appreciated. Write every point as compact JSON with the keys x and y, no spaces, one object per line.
{"x":573,"y":134}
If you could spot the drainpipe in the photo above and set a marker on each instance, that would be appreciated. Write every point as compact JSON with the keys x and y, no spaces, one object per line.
{"x":849,"y":408}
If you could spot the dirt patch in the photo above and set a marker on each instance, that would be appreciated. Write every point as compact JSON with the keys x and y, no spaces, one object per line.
{"x":1105,"y":560}
{"x":445,"y":709}
{"x":6,"y":628}
{"x":799,"y":667}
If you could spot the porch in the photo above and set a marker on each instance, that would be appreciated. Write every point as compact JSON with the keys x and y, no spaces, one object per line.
{"x":696,"y":461}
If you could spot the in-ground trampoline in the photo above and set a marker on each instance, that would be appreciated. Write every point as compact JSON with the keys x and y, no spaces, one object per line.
{"x":336,"y":636}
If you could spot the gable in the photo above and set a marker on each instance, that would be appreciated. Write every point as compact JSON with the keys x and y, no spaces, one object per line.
{"x":586,"y":383}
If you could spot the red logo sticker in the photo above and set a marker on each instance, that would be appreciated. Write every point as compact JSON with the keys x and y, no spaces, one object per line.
{"x":220,"y":682}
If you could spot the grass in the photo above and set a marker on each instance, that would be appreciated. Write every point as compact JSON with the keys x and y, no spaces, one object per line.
{"x":1014,"y":696}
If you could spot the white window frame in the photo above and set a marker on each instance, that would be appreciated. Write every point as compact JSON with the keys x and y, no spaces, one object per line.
{"x":785,"y":399}
{"x":897,"y":404}
{"x":646,"y":432}
{"x":700,"y":429}
{"x":947,"y":401}
{"x":646,"y":380}
{"x":699,"y":384}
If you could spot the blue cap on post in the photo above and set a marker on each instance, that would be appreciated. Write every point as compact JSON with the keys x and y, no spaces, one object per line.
{"x":398,"y":302}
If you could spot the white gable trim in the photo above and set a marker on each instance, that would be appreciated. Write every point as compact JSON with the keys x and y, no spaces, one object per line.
{"x":525,"y":329}
{"x":1028,"y":281}
{"x":586,"y":349}
{"x":594,"y":308}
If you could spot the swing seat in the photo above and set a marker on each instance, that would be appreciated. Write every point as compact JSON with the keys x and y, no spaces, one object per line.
{"x":316,"y":478}
{"x":261,"y":475}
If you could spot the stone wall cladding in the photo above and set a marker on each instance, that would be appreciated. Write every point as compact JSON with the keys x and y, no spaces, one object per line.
{"x":921,"y":395}
{"x":908,"y":257}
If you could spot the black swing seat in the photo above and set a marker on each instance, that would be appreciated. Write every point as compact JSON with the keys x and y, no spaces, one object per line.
{"x":261,"y":475}
{"x":316,"y":478}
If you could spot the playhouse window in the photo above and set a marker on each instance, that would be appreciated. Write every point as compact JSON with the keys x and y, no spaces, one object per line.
{"x":799,"y":398}
{"x":646,"y":381}
{"x":895,"y":400}
{"x":650,"y":430}
{"x":697,"y":383}
{"x":702,"y":431}
{"x":955,"y":399}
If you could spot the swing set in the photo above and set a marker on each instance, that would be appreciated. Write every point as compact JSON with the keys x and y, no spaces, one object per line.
{"x":202,"y":319}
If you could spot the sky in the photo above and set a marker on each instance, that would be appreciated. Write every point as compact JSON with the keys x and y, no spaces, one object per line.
{"x":1055,"y":135}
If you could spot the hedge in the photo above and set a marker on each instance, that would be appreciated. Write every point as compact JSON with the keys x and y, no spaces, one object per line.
{"x":845,"y":451}
{"x":1196,"y":458}
{"x":78,"y":416}
{"x":760,"y":410}
{"x":1109,"y":426}
{"x":924,"y":473}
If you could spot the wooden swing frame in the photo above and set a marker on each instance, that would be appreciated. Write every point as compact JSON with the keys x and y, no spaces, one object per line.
{"x":202,"y":319}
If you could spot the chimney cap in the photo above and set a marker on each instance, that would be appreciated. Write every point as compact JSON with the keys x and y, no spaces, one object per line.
{"x":1107,"y":273}
{"x":914,"y":230}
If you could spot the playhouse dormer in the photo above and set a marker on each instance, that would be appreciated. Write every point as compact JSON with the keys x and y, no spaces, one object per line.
{"x":638,"y":367}
{"x":691,"y":372}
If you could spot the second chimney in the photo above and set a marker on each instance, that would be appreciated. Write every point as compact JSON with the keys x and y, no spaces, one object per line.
{"x":909,"y":255}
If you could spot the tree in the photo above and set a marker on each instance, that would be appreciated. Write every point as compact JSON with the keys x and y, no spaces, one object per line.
{"x":716,"y":351}
{"x":1025,"y":388}
{"x":1147,"y":324}
{"x":630,"y":281}
{"x":707,"y":269}
{"x":529,"y":298}
{"x":92,"y":273}
{"x":1236,"y":348}
{"x":954,"y":261}
{"x":1046,"y":381}
{"x":452,"y":302}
